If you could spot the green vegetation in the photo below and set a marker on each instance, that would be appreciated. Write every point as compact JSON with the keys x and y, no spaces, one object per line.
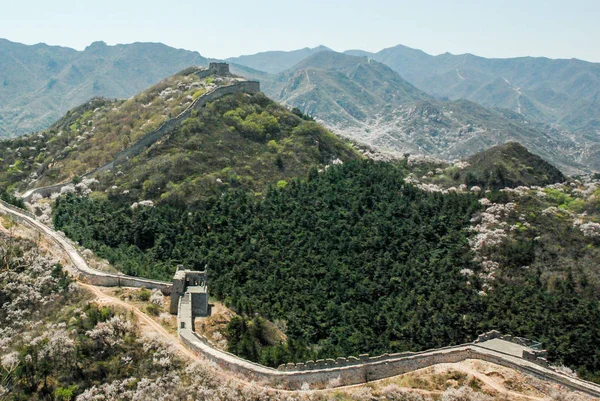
{"x":57,"y":344}
{"x":238,"y":141}
{"x":339,"y":89}
{"x":371,"y":102}
{"x":509,"y":165}
{"x":352,"y":260}
{"x":12,"y":199}
{"x":341,"y":227}
{"x":91,"y":135}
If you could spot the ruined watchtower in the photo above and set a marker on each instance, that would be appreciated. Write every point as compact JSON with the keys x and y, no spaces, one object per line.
{"x":193,"y":283}
{"x":219,"y":69}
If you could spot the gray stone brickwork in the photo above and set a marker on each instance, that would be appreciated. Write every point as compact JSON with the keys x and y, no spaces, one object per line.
{"x":219,"y":69}
{"x":79,"y":267}
{"x":194,"y":283}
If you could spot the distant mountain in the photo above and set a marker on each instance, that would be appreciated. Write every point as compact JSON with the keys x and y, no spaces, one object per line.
{"x":340,"y":90}
{"x":565,"y":92}
{"x":275,"y":62}
{"x":368,"y":101}
{"x":39,"y":83}
{"x":551,"y":106}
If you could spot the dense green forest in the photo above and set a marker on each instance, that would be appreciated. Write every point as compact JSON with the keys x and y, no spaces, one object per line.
{"x":348,"y":261}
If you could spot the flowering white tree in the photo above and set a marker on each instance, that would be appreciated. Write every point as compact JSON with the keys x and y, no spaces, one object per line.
{"x":111,"y":333}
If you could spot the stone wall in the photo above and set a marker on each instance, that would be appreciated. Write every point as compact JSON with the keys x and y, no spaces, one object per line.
{"x":79,"y":267}
{"x":221,"y":69}
{"x":535,"y":355}
{"x":539,"y":372}
{"x":349,"y":371}
{"x":45,"y":191}
{"x":250,"y":87}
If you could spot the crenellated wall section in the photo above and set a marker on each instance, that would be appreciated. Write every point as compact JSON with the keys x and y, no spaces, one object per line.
{"x":250,"y":87}
{"x":316,"y":374}
{"x":352,"y":370}
{"x":78,"y":266}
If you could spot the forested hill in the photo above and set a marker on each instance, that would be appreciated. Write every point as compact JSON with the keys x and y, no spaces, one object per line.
{"x":236,"y":141}
{"x":354,"y":259}
{"x":510,"y":165}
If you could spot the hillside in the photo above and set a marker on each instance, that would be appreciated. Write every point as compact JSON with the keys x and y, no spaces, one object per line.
{"x":340,"y":90}
{"x":510,"y":165}
{"x":239,"y":141}
{"x":369,"y":102}
{"x":56,"y":79}
{"x":565,"y":92}
{"x":76,"y":342}
{"x":236,"y":141}
{"x":360,"y":99}
{"x":364,"y":258}
{"x":556,"y":91}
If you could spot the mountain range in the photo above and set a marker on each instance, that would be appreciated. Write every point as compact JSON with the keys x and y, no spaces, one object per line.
{"x":369,"y":102}
{"x":398,"y":99}
{"x":39,"y":83}
{"x":565,"y":92}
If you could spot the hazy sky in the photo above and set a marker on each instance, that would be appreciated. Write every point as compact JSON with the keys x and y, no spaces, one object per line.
{"x":221,"y":28}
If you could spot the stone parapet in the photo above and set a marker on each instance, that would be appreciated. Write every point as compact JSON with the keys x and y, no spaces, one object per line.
{"x":79,"y":266}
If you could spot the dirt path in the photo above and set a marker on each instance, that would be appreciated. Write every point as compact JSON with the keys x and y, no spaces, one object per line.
{"x":151,"y":326}
{"x":147,"y":321}
{"x":460,"y":366}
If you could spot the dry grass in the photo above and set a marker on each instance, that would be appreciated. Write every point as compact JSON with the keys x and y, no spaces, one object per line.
{"x":132,"y":297}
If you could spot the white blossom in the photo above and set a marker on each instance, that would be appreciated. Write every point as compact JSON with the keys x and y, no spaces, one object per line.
{"x":111,"y":332}
{"x":147,"y":203}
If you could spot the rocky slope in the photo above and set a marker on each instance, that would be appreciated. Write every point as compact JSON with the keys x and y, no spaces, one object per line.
{"x":367,"y":101}
{"x":554,"y":91}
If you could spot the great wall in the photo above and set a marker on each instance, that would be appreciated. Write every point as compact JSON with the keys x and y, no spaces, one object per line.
{"x":506,"y":351}
{"x":190,"y":303}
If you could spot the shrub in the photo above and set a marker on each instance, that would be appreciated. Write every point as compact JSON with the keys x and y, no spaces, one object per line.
{"x":144,"y":294}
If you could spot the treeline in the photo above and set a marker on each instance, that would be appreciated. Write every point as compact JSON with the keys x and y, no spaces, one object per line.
{"x":350,"y":261}
{"x":12,"y":199}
